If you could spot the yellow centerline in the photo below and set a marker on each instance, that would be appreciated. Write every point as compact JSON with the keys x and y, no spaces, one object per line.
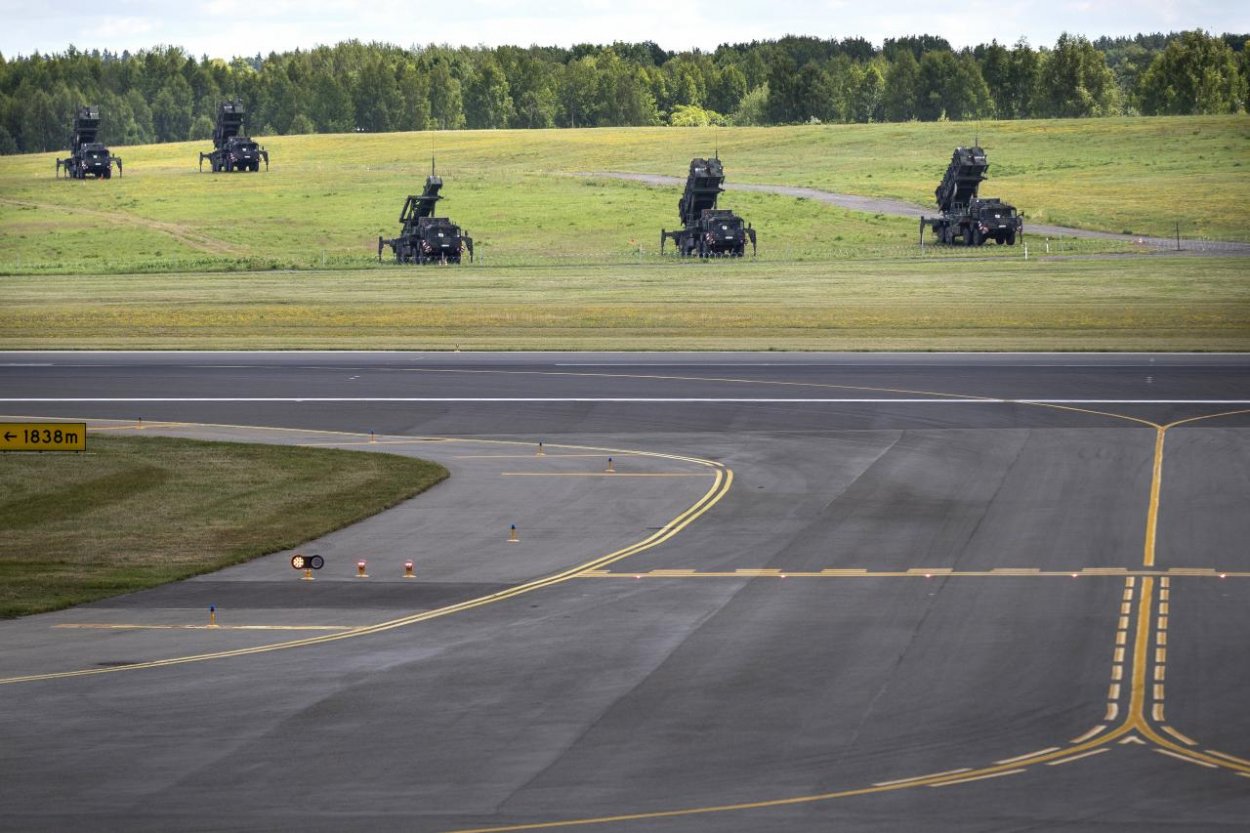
{"x":608,"y":474}
{"x":919,"y":573}
{"x":129,"y":627}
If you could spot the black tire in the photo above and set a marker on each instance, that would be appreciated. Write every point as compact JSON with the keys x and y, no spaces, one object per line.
{"x":999,"y":241}
{"x":1011,"y":238}
{"x":108,"y":174}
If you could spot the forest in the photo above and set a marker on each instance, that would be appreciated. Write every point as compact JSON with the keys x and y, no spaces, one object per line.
{"x":165,"y":95}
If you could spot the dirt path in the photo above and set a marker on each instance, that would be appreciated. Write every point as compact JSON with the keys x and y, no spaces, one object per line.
{"x":185,"y":235}
{"x":899,"y":208}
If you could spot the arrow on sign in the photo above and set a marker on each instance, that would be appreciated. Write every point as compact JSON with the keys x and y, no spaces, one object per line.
{"x":8,"y":435}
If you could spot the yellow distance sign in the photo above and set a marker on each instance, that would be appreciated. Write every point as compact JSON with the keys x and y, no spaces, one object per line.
{"x":43,"y":436}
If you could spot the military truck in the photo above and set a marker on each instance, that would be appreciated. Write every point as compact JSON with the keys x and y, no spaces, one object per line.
{"x":706,"y":230}
{"x":967,"y":218}
{"x":232,"y":152}
{"x":87,"y":156}
{"x":425,"y":238}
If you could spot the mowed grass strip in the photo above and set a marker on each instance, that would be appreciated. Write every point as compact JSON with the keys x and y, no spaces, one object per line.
{"x":1115,"y":303}
{"x":136,"y":512}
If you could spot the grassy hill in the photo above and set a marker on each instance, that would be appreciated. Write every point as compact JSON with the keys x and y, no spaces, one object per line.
{"x":568,"y":259}
{"x":327,"y":198}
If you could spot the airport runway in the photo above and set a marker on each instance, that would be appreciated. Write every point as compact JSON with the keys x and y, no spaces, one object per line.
{"x":817,"y":592}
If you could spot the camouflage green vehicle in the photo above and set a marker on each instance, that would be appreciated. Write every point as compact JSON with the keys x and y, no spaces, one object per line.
{"x":967,"y":218}
{"x":706,"y":230}
{"x":87,"y":156}
{"x":425,"y":238}
{"x":232,"y":152}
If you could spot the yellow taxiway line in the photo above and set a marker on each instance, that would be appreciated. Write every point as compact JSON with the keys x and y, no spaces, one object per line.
{"x":722,"y":482}
{"x":921,"y":572}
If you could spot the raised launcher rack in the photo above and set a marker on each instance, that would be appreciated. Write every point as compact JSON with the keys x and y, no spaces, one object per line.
{"x":967,"y":218}
{"x":232,"y":152}
{"x":424,"y":237}
{"x":707,"y":231}
{"x":87,"y":157}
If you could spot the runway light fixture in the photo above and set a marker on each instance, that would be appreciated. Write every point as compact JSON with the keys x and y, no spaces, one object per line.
{"x":307,"y":562}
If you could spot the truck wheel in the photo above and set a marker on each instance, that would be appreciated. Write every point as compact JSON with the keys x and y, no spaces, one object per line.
{"x":1011,"y":238}
{"x":108,"y":174}
{"x":999,"y":241}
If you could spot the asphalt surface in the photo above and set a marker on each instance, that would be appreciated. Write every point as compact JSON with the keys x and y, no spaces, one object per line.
{"x":902,"y":208}
{"x":817,"y":592}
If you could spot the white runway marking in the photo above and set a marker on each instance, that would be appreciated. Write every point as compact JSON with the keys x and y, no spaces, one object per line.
{"x":647,"y":400}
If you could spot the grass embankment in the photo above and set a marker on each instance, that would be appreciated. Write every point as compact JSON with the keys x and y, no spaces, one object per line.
{"x":328,"y":198}
{"x":135,"y":512}
{"x":1131,"y":303}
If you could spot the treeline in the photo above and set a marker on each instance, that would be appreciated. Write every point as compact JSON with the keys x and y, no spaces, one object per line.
{"x":165,"y":95}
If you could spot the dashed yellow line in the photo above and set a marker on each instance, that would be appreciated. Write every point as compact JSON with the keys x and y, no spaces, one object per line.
{"x":550,"y":455}
{"x":607,"y":474}
{"x":1182,"y":738}
{"x":928,"y":572}
{"x":1186,"y":758}
{"x":129,"y":627}
{"x":1097,"y":730}
{"x":1036,"y":754}
{"x":928,"y":777}
{"x":1071,"y":758}
{"x":985,"y":777}
{"x":1223,"y":755}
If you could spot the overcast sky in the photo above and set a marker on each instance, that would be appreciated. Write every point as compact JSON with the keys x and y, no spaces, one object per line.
{"x":226,"y":28}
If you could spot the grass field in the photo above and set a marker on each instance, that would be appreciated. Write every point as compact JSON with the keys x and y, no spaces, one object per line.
{"x":1114,"y":303}
{"x":327,"y":198}
{"x":169,"y":258}
{"x":135,"y":512}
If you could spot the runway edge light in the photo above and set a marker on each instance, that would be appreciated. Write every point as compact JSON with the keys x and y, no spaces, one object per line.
{"x":307,"y":563}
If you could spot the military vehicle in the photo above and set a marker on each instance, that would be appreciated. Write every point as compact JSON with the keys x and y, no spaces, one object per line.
{"x":424,"y":237}
{"x":967,"y":218}
{"x":232,"y":152}
{"x":87,"y":156}
{"x":706,"y":230}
